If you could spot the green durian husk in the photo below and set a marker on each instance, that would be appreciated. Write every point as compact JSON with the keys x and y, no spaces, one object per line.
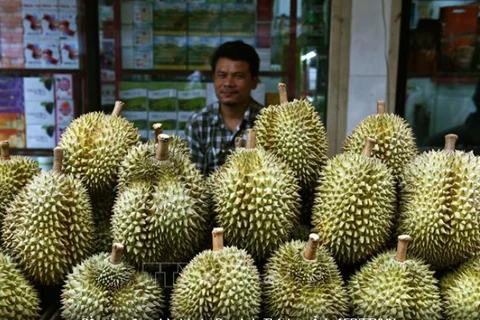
{"x":297,"y":288}
{"x":94,"y":145}
{"x":48,"y":228}
{"x":15,"y":173}
{"x":255,"y":199}
{"x":354,"y":207}
{"x":460,"y":290}
{"x":218,"y":284}
{"x":98,"y":289}
{"x":440,"y":207}
{"x":395,"y":142}
{"x":385,"y":288}
{"x":158,"y":222}
{"x":18,"y":298}
{"x":294,"y":132}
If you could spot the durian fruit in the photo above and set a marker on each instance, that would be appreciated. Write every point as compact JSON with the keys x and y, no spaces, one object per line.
{"x":161,"y":219}
{"x":255,"y":199}
{"x":303,"y":282}
{"x":396,"y":144}
{"x":460,"y":290}
{"x":390,"y":286}
{"x":219,"y":283}
{"x":305,"y":151}
{"x":48,"y":227}
{"x":15,"y":173}
{"x":94,"y":145}
{"x":440,"y":205}
{"x":18,"y":298}
{"x":102,"y":209}
{"x":355,"y":205}
{"x":178,"y":145}
{"x":106,"y":287}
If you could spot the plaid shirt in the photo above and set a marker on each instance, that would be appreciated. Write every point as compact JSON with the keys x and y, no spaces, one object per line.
{"x":210,"y":140}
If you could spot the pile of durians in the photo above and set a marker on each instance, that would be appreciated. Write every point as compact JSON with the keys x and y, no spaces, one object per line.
{"x":280,"y":230}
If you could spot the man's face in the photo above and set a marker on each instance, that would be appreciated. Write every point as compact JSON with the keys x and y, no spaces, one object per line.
{"x":233,"y":82}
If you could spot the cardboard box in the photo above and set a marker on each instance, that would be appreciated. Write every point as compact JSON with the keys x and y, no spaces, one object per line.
{"x":69,"y":54}
{"x":32,"y":22}
{"x":459,"y":26}
{"x":162,"y":96}
{"x":204,"y":19}
{"x":16,"y":138}
{"x":33,"y":48}
{"x":170,"y":18}
{"x":39,"y":113}
{"x":143,"y":58}
{"x":51,"y":54}
{"x":65,"y":110}
{"x":169,"y":52}
{"x":238,"y":19}
{"x":142,"y":12}
{"x":41,"y":136}
{"x":50,"y":23}
{"x":191,"y":96}
{"x":67,"y":24}
{"x":38,"y":89}
{"x":200,"y":50}
{"x":63,"y":86}
{"x":14,"y":121}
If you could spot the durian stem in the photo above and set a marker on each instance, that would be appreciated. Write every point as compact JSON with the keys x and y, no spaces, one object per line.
{"x":369,"y":144}
{"x":57,"y":159}
{"x":162,"y":147}
{"x":282,"y":92}
{"x":402,"y":245}
{"x":239,"y":142}
{"x":5,"y":150}
{"x":157,"y":130}
{"x":450,"y":140}
{"x":310,"y":252}
{"x":251,"y":138}
{"x":380,"y":107}
{"x":217,"y":239}
{"x":117,"y":253}
{"x":117,"y":109}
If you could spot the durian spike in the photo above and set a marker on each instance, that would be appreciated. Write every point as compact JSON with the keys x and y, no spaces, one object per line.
{"x":157,"y":130}
{"x":380,"y":107}
{"x":5,"y":150}
{"x":450,"y":140}
{"x":117,"y":253}
{"x":402,"y":245}
{"x":369,"y":144}
{"x":251,"y":138}
{"x":162,"y":147}
{"x":217,"y":239}
{"x":282,"y":92}
{"x":239,"y":142}
{"x":57,"y":160}
{"x":310,"y":252}
{"x":117,"y":109}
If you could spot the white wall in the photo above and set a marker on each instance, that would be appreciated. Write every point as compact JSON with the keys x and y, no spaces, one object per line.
{"x":368,"y":58}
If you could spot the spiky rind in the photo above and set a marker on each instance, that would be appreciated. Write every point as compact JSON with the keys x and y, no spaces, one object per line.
{"x":460,"y":290}
{"x":294,"y":132}
{"x":49,"y":227}
{"x":256,"y":201}
{"x":15,"y":173}
{"x":223,"y":284}
{"x":354,"y":207}
{"x":140,"y":164}
{"x":440,"y":207}
{"x":395,"y":142}
{"x":18,"y":298}
{"x":94,"y":144}
{"x":157,"y":222}
{"x":385,"y":288}
{"x":121,"y":295}
{"x":296,"y":288}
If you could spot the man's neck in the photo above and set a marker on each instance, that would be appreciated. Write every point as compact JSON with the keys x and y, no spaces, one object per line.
{"x":232,"y":116}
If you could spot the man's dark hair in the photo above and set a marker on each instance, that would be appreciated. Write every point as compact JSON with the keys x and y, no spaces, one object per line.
{"x":237,"y":51}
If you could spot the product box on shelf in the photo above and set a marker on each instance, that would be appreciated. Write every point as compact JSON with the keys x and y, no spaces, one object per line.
{"x":142,"y":12}
{"x":63,"y":86}
{"x":41,"y":136}
{"x":169,"y":52}
{"x":69,"y":54}
{"x":33,"y":52}
{"x":191,"y":98}
{"x":50,"y":23}
{"x":459,"y":27}
{"x":39,"y":113}
{"x":200,"y":50}
{"x":170,"y":18}
{"x":162,"y":96}
{"x":67,"y":24}
{"x":134,"y":96}
{"x":51,"y":54}
{"x":204,"y":19}
{"x":238,"y":19}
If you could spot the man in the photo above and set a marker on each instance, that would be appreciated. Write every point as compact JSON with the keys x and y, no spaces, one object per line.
{"x":211,"y":132}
